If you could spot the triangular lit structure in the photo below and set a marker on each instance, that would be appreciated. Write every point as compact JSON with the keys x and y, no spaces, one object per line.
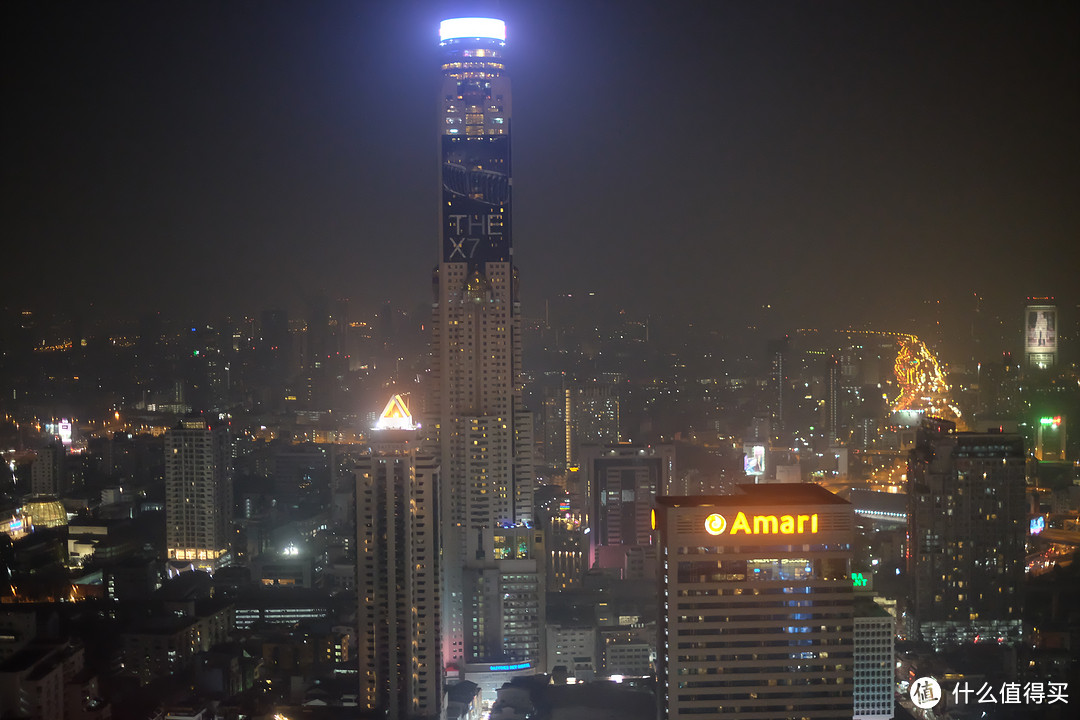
{"x":395,"y":416}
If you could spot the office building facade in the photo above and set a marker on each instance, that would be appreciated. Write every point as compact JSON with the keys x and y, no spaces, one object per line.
{"x":875,"y":670}
{"x":623,"y":481}
{"x":756,"y":601}
{"x":966,"y":535}
{"x":475,"y":413}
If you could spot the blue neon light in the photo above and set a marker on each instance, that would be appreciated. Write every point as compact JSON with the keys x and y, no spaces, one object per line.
{"x":515,"y":666}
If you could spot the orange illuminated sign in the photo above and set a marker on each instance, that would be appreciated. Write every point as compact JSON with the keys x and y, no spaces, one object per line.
{"x":716,"y":524}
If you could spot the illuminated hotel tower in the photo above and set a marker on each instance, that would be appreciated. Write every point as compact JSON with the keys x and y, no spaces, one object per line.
{"x":198,"y":494}
{"x":475,"y":411}
{"x":757,"y":604}
{"x":398,"y":571}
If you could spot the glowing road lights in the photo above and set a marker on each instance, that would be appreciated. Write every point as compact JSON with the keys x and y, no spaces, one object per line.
{"x":921,"y":380}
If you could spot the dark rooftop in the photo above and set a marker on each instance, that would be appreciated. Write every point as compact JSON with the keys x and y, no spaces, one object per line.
{"x":768,"y":494}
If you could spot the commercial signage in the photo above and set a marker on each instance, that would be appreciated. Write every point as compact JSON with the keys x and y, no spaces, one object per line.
{"x":476,"y":198}
{"x":512,"y":666}
{"x":1040,"y":329}
{"x":743,"y":524}
{"x":754,"y":459}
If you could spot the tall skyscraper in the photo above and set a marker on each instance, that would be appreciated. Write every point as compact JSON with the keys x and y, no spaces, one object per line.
{"x":832,"y":401}
{"x":966,"y":534}
{"x":475,"y":411}
{"x":756,"y":603}
{"x":583,"y":413}
{"x":398,"y":571}
{"x":778,"y":382}
{"x":198,"y":494}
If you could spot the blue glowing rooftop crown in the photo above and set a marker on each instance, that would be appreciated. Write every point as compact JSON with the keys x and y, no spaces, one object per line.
{"x":472,"y":27}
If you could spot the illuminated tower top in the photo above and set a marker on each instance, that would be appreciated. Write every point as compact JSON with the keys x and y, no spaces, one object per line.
{"x":475,"y":412}
{"x":475,"y":132}
{"x":456,"y":30}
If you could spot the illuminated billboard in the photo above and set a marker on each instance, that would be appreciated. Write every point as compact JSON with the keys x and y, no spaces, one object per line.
{"x":476,"y":198}
{"x":758,"y":524}
{"x":1037,"y":525}
{"x":64,"y":431}
{"x":1040,"y":331}
{"x":754,"y":459}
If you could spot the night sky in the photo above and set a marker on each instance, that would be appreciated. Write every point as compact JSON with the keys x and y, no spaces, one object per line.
{"x":841,"y":161}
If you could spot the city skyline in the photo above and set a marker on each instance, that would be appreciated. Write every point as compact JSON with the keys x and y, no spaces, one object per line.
{"x":890,"y":155}
{"x":757,"y":451}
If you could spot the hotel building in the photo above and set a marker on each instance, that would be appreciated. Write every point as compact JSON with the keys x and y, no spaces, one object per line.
{"x":756,"y":604}
{"x":400,"y":652}
{"x":198,"y":494}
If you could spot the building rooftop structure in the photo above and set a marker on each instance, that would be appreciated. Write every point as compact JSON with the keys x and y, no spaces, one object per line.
{"x":759,"y":495}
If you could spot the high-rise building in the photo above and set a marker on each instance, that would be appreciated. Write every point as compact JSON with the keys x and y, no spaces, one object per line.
{"x":504,"y":589}
{"x":966,"y":534}
{"x":580,"y":414}
{"x":779,"y":386}
{"x":1050,"y":439}
{"x":623,"y":481}
{"x":832,"y":401}
{"x":475,"y":410}
{"x":400,"y":651}
{"x":505,"y":592}
{"x":198,"y":494}
{"x":47,"y":470}
{"x":756,"y":603}
{"x":875,"y":658}
{"x":567,"y":542}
